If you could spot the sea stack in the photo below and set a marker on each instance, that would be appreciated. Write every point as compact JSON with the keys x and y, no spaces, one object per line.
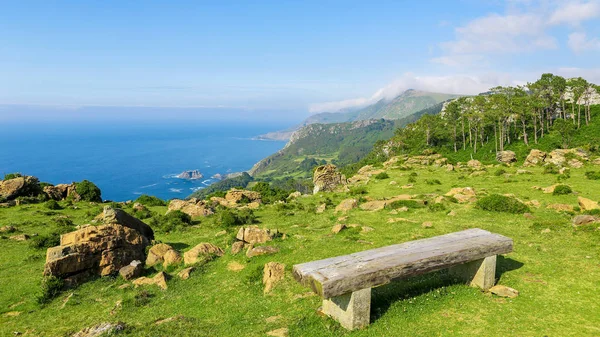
{"x":190,"y":175}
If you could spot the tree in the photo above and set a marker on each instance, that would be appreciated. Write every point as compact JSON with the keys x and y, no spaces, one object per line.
{"x":452,"y":115}
{"x":566,"y":131}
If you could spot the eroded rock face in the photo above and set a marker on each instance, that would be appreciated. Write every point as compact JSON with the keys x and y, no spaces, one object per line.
{"x":58,"y":192}
{"x":117,"y":216}
{"x":506,"y":157}
{"x":19,"y":187}
{"x":327,"y":178}
{"x":193,"y":207}
{"x":558,"y":157}
{"x":253,"y":234}
{"x":272,"y":274}
{"x":535,"y":157}
{"x":201,"y":251}
{"x":95,"y":250}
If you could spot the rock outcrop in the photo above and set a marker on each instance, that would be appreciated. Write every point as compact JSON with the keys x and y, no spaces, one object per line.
{"x":26,"y":186}
{"x":558,"y":157}
{"x":327,"y":178}
{"x":506,"y":157}
{"x":235,"y":196}
{"x":253,"y":234}
{"x":587,"y":204}
{"x":463,"y":194}
{"x":99,"y":250}
{"x":192,"y":207}
{"x":201,"y":251}
{"x":535,"y":157}
{"x":346,"y":205}
{"x":273,"y":273}
{"x":159,"y":279}
{"x":190,"y":175}
{"x":474,"y":164}
{"x":163,"y":254}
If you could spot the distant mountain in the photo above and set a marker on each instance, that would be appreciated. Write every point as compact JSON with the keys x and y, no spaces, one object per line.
{"x":403,"y":105}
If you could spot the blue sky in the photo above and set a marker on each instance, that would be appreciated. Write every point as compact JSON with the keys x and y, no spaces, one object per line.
{"x":292,"y":56}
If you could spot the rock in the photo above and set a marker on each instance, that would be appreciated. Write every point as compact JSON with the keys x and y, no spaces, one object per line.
{"x":236,"y":196}
{"x":366,"y":229}
{"x":321,"y":208}
{"x":253,"y":234}
{"x":596,"y":161}
{"x":533,"y":203}
{"x":235,"y":266}
{"x":463,"y":194}
{"x":132,"y":270}
{"x":549,"y":189}
{"x":19,"y":237}
{"x":100,"y":329}
{"x":393,"y":183}
{"x":587,"y":204}
{"x":185,"y":273}
{"x":272,"y":274}
{"x":294,"y":195}
{"x":346,"y":205}
{"x":405,"y":187}
{"x":546,"y":231}
{"x":163,"y":254}
{"x":506,"y":157}
{"x":26,"y":186}
{"x":338,"y":228}
{"x":327,"y":178}
{"x":190,"y":175}
{"x":58,"y":192}
{"x":375,"y":205}
{"x":504,"y":291}
{"x":427,"y":224}
{"x":237,"y":247}
{"x":8,"y":229}
{"x":519,"y":172}
{"x":262,"y":250}
{"x":558,"y":156}
{"x":449,"y":167}
{"x":452,"y":213}
{"x":560,"y":207}
{"x":535,"y":157}
{"x":273,"y":319}
{"x":584,"y":220}
{"x":201,"y":251}
{"x":100,"y":250}
{"x":192,"y":207}
{"x":574,"y":163}
{"x":217,"y":176}
{"x":528,"y":216}
{"x":159,"y":279}
{"x":281,"y":332}
{"x":220,"y":233}
{"x":139,"y":207}
{"x":474,"y":164}
{"x":120,"y":217}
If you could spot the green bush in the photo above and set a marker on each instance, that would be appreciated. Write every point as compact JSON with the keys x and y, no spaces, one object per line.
{"x":12,"y":176}
{"x":412,"y":179}
{"x":437,"y":207}
{"x":592,"y":175}
{"x":51,"y":287}
{"x":499,"y":172}
{"x":405,"y":203}
{"x":562,"y":190}
{"x":178,"y":217}
{"x":229,"y":218}
{"x":382,"y":175}
{"x":45,"y":241}
{"x":500,"y":203}
{"x":358,"y":190}
{"x":433,"y":182}
{"x":52,"y":204}
{"x":88,"y":191}
{"x":172,"y":221}
{"x":149,"y":200}
{"x":551,"y":169}
{"x":270,"y":194}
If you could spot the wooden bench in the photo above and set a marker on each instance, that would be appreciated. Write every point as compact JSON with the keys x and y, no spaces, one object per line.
{"x":345,"y":282}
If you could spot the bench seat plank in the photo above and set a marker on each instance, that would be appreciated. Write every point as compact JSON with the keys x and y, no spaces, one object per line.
{"x":343,"y":274}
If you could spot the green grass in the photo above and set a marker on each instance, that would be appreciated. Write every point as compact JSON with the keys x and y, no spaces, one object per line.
{"x":556,"y":273}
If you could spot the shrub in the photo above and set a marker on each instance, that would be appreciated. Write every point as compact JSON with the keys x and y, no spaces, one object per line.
{"x":437,"y":207}
{"x":12,"y":176}
{"x":149,"y":200}
{"x":382,"y":175}
{"x":45,"y":241}
{"x":551,"y":169}
{"x":179,"y":217}
{"x":499,"y":172}
{"x":88,"y":191}
{"x":405,"y":203}
{"x":52,"y":204}
{"x":433,"y":182}
{"x":51,"y":287}
{"x":229,"y":218}
{"x":592,"y":175}
{"x":270,"y":194}
{"x":412,"y":179}
{"x":500,"y":203}
{"x":358,"y":190}
{"x":562,"y":190}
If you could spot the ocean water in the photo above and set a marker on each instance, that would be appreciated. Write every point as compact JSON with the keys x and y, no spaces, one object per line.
{"x":129,"y":159}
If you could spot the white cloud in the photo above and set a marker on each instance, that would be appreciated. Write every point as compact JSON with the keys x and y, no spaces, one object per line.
{"x":579,"y":42}
{"x":573,"y":13}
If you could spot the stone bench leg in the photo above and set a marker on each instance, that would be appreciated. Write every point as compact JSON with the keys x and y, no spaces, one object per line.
{"x":478,"y":273}
{"x":352,"y":310}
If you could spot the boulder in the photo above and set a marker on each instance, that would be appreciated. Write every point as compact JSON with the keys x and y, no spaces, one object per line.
{"x":281,"y":332}
{"x":185,"y":273}
{"x":100,"y":250}
{"x":26,"y":186}
{"x":253,"y":234}
{"x":321,"y":208}
{"x":463,"y":194}
{"x":201,"y":251}
{"x":504,"y":291}
{"x":346,"y":205}
{"x":58,"y":192}
{"x":192,"y":207}
{"x":294,"y":195}
{"x":549,"y":189}
{"x":19,"y":237}
{"x":535,"y":157}
{"x":574,"y":163}
{"x":375,"y":205}
{"x":100,"y":329}
{"x":449,"y":167}
{"x":587,"y":204}
{"x":159,"y":279}
{"x":327,"y":178}
{"x":474,"y":164}
{"x":584,"y":220}
{"x":596,"y":161}
{"x":560,"y":207}
{"x":235,"y":196}
{"x":120,"y":217}
{"x":519,"y":172}
{"x":506,"y":157}
{"x":262,"y":250}
{"x":338,"y":228}
{"x":163,"y":254}
{"x":8,"y":229}
{"x":237,"y":247}
{"x":558,"y":156}
{"x":132,"y":270}
{"x":272,"y":274}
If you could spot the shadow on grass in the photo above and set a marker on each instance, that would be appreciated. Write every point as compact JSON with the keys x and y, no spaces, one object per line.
{"x":383,"y":297}
{"x":179,"y":245}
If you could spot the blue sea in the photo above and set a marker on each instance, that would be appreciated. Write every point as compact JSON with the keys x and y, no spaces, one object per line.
{"x":129,"y":159}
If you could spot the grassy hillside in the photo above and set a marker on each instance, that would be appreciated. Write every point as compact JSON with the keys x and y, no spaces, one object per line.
{"x":404,"y":105}
{"x":555,"y":267}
